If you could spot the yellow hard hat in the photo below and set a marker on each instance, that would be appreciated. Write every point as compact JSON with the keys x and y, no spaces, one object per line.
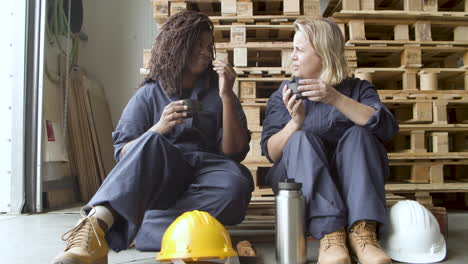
{"x":195,"y":236}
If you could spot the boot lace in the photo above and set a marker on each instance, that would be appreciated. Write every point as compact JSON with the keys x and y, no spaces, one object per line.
{"x":334,"y":239}
{"x":81,"y":235}
{"x":365,"y":234}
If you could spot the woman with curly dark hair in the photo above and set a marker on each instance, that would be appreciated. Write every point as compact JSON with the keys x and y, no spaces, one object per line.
{"x":178,"y":145}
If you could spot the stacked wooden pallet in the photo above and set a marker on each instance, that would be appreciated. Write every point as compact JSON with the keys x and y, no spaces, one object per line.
{"x":414,"y":51}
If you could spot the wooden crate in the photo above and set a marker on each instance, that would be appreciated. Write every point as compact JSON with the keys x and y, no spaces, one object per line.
{"x":403,"y":32}
{"x":415,"y":78}
{"x":240,"y":33}
{"x":421,"y":7}
{"x":243,"y":9}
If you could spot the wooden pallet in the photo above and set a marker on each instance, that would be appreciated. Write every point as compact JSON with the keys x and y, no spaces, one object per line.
{"x":434,"y":111}
{"x":408,"y":31}
{"x":438,"y":144}
{"x":271,"y":58}
{"x":253,"y":20}
{"x":244,"y":10}
{"x":241,"y":33}
{"x":437,"y":176}
{"x":259,"y":222}
{"x":400,"y":15}
{"x":453,"y":79}
{"x":423,"y":7}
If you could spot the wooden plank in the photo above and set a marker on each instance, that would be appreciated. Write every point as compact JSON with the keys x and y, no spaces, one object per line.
{"x":440,"y":112}
{"x":351,"y":57}
{"x":343,"y":29}
{"x":440,"y":141}
{"x":418,"y":142}
{"x":222,"y":55}
{"x":160,"y":10}
{"x":429,"y":80}
{"x":245,"y":9}
{"x":311,"y":8}
{"x":411,"y":57}
{"x":177,"y":7}
{"x":146,"y":58}
{"x":409,"y":79}
{"x":413,"y":5}
{"x":466,"y":81}
{"x":240,"y":57}
{"x":424,"y":198}
{"x":367,"y":4}
{"x":420,"y":174}
{"x":423,"y":31}
{"x":291,"y":7}
{"x":229,"y":7}
{"x":356,"y":30}
{"x":398,"y":15}
{"x":401,"y":32}
{"x":363,"y":75}
{"x":432,"y":188}
{"x":436,"y":174}
{"x":286,"y":58}
{"x":248,"y":90}
{"x":255,"y":153}
{"x":422,"y":112}
{"x":351,"y":5}
{"x":430,"y":6}
{"x":460,"y":34}
{"x":238,"y":34}
{"x":252,"y":113}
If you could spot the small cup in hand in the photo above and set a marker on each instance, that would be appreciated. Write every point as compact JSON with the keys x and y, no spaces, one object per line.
{"x":193,"y":107}
{"x":294,"y":87}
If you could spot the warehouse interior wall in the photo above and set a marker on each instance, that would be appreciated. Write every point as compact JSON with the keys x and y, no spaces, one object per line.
{"x":117,"y":33}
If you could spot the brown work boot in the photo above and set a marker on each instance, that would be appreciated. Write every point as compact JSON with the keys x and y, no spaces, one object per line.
{"x":333,"y":248}
{"x":86,"y":243}
{"x":363,"y":243}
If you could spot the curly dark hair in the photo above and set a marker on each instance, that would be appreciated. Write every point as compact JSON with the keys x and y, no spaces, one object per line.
{"x":172,"y":49}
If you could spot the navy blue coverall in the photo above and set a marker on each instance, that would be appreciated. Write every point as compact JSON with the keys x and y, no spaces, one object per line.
{"x":160,"y":177}
{"x":342,"y":166}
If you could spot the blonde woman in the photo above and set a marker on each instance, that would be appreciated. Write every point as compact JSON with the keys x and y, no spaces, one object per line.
{"x":331,"y":142}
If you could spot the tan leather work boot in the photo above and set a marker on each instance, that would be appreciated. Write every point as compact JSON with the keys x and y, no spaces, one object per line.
{"x":86,"y":243}
{"x":333,"y":248}
{"x":363,"y":243}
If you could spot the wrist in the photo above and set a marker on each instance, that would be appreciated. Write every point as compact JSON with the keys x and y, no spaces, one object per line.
{"x":336,"y":99}
{"x":227,"y":96}
{"x":294,"y":126}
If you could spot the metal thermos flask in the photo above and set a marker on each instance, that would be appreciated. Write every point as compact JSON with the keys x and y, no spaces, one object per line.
{"x":290,"y":237}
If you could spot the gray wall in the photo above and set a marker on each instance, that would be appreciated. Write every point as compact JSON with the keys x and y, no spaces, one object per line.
{"x":118,"y":31}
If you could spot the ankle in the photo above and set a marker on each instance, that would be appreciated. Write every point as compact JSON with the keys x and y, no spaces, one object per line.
{"x":102,"y":224}
{"x":104,"y":216}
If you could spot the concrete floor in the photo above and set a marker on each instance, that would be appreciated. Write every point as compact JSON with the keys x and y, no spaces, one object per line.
{"x":36,"y":239}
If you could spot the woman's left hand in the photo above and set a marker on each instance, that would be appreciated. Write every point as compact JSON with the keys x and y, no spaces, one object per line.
{"x":227,"y":76}
{"x":316,"y":90}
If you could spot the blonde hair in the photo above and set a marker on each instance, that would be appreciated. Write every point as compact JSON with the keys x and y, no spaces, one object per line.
{"x":326,"y":39}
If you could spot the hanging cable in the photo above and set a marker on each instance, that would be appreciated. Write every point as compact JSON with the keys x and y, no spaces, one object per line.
{"x":60,"y":35}
{"x":58,"y":32}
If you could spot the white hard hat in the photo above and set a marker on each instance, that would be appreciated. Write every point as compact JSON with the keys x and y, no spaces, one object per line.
{"x":414,"y":234}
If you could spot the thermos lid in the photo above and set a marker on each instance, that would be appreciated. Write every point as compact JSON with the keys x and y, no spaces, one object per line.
{"x":289,"y":184}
